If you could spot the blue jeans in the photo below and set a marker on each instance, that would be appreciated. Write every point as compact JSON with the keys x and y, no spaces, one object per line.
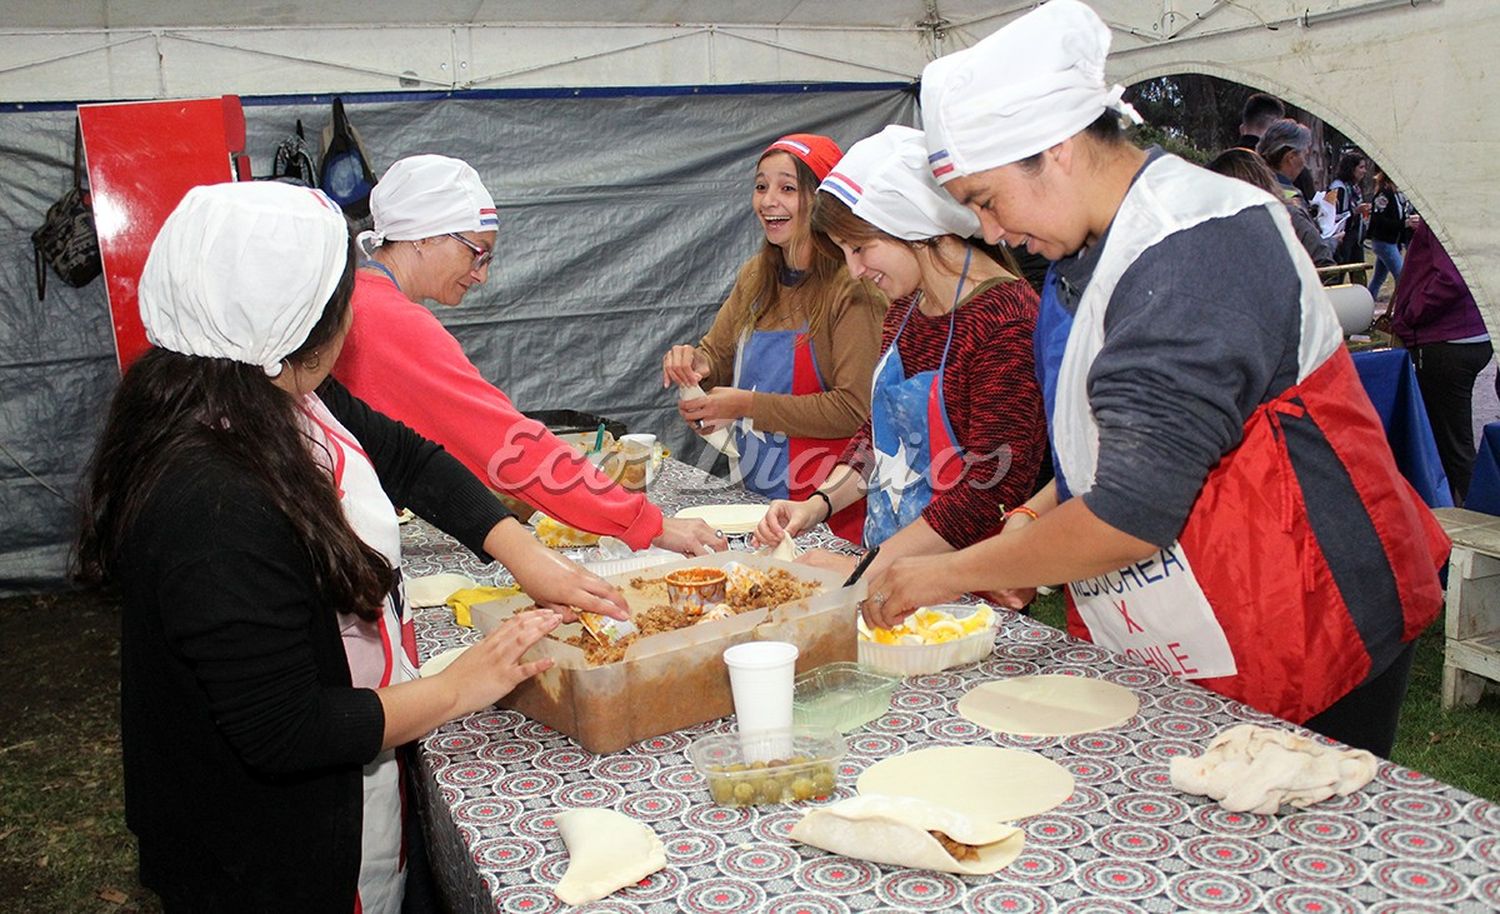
{"x":1387,"y":259}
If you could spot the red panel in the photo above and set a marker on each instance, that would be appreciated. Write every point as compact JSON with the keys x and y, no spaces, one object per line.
{"x":143,"y":157}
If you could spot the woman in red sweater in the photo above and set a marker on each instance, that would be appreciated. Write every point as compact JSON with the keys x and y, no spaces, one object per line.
{"x":434,"y":236}
{"x":955,"y":432}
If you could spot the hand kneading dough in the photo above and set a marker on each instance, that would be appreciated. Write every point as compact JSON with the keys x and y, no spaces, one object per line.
{"x":607,"y":850}
{"x":1048,"y":705}
{"x":895,"y":830}
{"x":720,"y":439}
{"x":987,"y":783}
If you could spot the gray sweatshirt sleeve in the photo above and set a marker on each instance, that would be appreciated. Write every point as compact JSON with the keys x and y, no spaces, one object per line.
{"x":1200,"y":330}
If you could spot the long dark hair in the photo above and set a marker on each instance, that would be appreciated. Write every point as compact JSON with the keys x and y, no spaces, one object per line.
{"x":1348,"y":164}
{"x":825,"y":274}
{"x":169,"y":406}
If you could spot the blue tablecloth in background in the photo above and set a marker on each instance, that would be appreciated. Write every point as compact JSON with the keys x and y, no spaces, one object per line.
{"x":1484,"y":488}
{"x":1391,"y":381}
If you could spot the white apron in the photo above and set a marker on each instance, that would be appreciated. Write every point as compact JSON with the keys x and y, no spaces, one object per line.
{"x":1155,"y":611}
{"x":376,"y":655}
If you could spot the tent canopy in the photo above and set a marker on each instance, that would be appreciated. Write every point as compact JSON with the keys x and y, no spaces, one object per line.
{"x":635,"y":233}
{"x":1392,"y":74}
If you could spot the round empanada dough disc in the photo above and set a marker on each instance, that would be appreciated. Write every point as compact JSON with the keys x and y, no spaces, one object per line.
{"x":1048,"y":705}
{"x":434,"y":589}
{"x":983,"y":782}
{"x":730,"y":519}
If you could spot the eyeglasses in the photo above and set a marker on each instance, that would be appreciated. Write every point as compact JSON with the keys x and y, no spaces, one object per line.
{"x":482,"y":256}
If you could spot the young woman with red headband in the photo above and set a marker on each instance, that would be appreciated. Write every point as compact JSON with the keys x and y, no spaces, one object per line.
{"x":788,"y":359}
{"x":956,"y":433}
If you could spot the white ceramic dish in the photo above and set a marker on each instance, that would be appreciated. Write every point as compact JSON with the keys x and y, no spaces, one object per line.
{"x":650,"y":559}
{"x":730,"y":519}
{"x":921,"y":659}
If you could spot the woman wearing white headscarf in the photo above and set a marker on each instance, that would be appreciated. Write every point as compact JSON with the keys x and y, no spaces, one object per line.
{"x":434,"y":237}
{"x":243,"y":505}
{"x":955,"y":432}
{"x":1225,"y":507}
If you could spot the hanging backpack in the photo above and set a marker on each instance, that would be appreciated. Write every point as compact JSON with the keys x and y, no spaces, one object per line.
{"x":66,"y":240}
{"x":293,"y":162}
{"x":345,"y":175}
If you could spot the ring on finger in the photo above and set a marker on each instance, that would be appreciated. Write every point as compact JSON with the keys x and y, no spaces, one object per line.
{"x":878,"y":598}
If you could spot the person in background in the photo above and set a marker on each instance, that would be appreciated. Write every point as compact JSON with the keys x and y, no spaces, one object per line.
{"x":1389,"y":213}
{"x":1207,"y":423}
{"x":1349,"y":201}
{"x":1435,"y":317}
{"x":788,"y":359}
{"x":1259,"y":112}
{"x":1252,"y":169}
{"x":241,"y":502}
{"x":955,"y":433}
{"x":435,"y":228}
{"x":1284,"y":148}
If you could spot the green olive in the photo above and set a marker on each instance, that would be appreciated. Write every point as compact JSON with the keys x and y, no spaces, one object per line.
{"x":744,"y":792}
{"x":757,"y":765}
{"x":737,"y":766}
{"x":803,"y":788}
{"x":823,"y":781}
{"x":798,"y":760}
{"x":722,"y":790}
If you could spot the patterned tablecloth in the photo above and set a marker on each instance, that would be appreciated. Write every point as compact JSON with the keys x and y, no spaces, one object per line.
{"x":1125,"y":840}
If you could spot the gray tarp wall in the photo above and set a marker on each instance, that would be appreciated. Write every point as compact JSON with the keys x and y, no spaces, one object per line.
{"x":623,"y":219}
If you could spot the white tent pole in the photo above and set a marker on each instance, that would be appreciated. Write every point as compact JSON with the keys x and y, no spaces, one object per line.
{"x":519,"y":71}
{"x":368,"y":71}
{"x":78,"y":53}
{"x":816,"y":56}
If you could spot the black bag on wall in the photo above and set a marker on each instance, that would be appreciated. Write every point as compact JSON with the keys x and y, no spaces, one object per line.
{"x":66,"y":241}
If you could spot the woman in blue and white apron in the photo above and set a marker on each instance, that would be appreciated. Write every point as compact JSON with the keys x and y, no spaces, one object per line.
{"x":787,"y":361}
{"x":956,"y":431}
{"x":1226,"y":508}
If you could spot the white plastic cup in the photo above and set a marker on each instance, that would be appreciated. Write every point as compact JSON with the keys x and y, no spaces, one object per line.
{"x":760,"y":678}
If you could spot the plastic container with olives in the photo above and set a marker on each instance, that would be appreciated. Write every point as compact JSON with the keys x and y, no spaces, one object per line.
{"x":809,"y":770}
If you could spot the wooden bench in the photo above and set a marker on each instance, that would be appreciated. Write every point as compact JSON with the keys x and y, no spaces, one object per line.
{"x":1471,"y":652}
{"x":1334,"y":274}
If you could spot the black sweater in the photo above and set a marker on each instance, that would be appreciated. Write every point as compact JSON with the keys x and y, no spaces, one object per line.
{"x":243,"y":739}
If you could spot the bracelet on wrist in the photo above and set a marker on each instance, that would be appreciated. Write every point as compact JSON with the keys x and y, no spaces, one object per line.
{"x":1021,"y":509}
{"x":828,"y":503}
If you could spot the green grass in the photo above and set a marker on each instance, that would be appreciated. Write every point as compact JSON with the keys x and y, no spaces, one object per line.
{"x":1459,"y":746}
{"x":63,"y":842}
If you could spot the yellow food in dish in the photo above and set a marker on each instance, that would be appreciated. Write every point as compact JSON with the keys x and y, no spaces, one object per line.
{"x":555,"y":534}
{"x":930,"y":626}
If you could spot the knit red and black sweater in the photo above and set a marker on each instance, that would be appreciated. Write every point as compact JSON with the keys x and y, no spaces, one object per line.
{"x":993,"y":402}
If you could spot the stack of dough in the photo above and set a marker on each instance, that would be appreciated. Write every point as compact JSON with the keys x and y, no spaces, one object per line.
{"x":719,"y":438}
{"x":1257,"y":769}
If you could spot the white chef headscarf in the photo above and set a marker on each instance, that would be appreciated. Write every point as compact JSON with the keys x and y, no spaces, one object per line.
{"x":1021,"y":90}
{"x":425,"y":196}
{"x":884,"y":180}
{"x":243,"y":271}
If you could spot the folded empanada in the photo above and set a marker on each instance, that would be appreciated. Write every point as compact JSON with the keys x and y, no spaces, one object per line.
{"x":904,"y":831}
{"x":719,"y":438}
{"x":607,"y":851}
